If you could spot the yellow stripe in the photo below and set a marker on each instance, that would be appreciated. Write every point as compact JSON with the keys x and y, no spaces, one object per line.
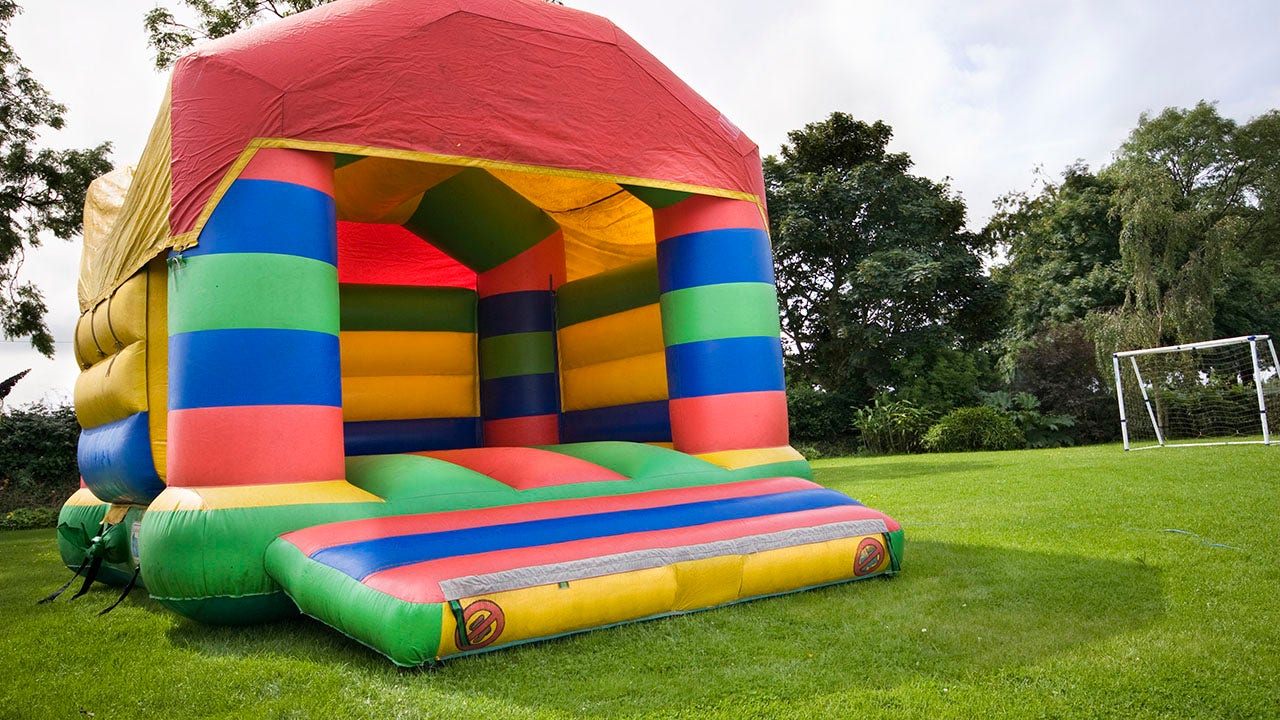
{"x":631,"y":380}
{"x":372,"y":353}
{"x":734,"y":459}
{"x":246,"y":496}
{"x":612,"y":337}
{"x":158,"y":362}
{"x":84,"y":497}
{"x":408,"y":397}
{"x":549,"y":610}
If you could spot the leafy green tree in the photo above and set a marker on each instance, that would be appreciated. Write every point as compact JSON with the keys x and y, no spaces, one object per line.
{"x":874,"y":266}
{"x":1196,"y":196}
{"x":170,"y":38}
{"x":41,"y":190}
{"x":1063,"y":253}
{"x":38,"y":456}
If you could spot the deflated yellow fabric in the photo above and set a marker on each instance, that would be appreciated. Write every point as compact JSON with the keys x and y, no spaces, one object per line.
{"x":157,"y":343}
{"x":619,"y":382}
{"x":385,"y":190}
{"x":604,"y":226}
{"x":114,"y":388}
{"x":409,"y":397}
{"x":124,"y":232}
{"x":612,"y":337}
{"x":369,"y":353}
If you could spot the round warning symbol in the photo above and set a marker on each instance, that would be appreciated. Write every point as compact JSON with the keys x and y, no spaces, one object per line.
{"x":870,"y":556}
{"x":482,"y":623}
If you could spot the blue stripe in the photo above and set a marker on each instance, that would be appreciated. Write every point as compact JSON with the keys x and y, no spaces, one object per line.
{"x":519,"y":396}
{"x":517,"y":312}
{"x":269,"y":216}
{"x":115,"y":461}
{"x":360,"y":559}
{"x":638,"y":422}
{"x":729,"y":365}
{"x":712,"y":257}
{"x":383,"y":437}
{"x":225,"y":368}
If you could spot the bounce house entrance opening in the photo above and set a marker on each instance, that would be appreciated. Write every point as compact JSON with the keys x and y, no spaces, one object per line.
{"x":490,"y":307}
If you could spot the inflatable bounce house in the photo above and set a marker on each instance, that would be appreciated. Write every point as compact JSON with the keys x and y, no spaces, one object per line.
{"x":451,"y":324}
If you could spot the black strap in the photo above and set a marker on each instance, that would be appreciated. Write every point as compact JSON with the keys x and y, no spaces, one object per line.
{"x":89,"y":577}
{"x":63,"y":589}
{"x":125,"y":593}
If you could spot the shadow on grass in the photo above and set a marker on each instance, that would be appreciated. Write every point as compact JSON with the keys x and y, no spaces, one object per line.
{"x":956,"y":610}
{"x":861,"y":470}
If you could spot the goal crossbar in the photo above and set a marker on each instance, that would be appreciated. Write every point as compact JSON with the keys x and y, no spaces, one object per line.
{"x":1194,"y":346}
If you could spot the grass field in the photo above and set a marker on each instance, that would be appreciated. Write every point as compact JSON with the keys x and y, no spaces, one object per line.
{"x":1043,"y":583}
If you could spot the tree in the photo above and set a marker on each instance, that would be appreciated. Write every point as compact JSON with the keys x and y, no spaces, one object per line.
{"x":41,"y":190}
{"x":1196,"y":197}
{"x":170,"y":39}
{"x":1062,"y":248}
{"x":874,"y":267}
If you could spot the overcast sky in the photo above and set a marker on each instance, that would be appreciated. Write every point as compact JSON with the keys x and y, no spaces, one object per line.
{"x":980,"y":92}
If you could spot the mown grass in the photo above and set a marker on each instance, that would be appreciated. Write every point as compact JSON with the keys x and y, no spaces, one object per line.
{"x":1036,"y":584}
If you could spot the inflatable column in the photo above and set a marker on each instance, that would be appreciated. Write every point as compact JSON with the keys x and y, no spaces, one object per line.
{"x":518,"y":252}
{"x":255,"y":395}
{"x":720,"y":326}
{"x":255,"y":398}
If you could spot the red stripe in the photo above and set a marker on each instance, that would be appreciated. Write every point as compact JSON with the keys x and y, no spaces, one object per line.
{"x":313,"y":539}
{"x":541,"y":267}
{"x":523,"y":468}
{"x":522,"y":431}
{"x":310,"y":169}
{"x":734,"y":421}
{"x":420,"y":582}
{"x":703,"y":212}
{"x":255,"y":445}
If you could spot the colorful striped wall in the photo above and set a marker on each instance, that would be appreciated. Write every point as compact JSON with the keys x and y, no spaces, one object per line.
{"x":612,"y":359}
{"x":409,"y":369}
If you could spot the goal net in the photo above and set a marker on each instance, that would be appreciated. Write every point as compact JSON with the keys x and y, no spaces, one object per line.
{"x":1206,"y":393}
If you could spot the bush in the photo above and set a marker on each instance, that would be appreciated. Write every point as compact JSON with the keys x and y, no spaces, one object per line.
{"x":26,"y":518}
{"x":817,"y":415}
{"x":974,"y":428}
{"x":1041,"y":430}
{"x":38,"y":456}
{"x":892,"y":426}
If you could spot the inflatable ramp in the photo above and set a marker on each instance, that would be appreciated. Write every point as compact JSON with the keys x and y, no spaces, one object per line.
{"x":423,"y":586}
{"x":453,"y":325}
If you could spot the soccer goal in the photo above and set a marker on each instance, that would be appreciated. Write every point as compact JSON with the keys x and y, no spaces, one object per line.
{"x":1206,"y":393}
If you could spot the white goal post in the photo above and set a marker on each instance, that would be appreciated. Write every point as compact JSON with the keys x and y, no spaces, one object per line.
{"x":1198,"y":393}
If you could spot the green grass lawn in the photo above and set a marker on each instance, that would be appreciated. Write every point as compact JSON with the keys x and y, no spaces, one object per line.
{"x":1040,"y":583}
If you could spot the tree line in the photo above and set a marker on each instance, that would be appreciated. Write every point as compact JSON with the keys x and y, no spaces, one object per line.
{"x":886,"y":305}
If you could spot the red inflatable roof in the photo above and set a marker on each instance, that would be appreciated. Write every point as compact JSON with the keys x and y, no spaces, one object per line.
{"x":513,"y":81}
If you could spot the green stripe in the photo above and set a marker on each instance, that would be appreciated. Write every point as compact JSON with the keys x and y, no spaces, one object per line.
{"x":656,"y":198}
{"x":517,"y":354}
{"x":615,"y":291}
{"x":401,"y":307}
{"x":477,"y":220}
{"x":714,"y":312}
{"x":253,"y":290}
